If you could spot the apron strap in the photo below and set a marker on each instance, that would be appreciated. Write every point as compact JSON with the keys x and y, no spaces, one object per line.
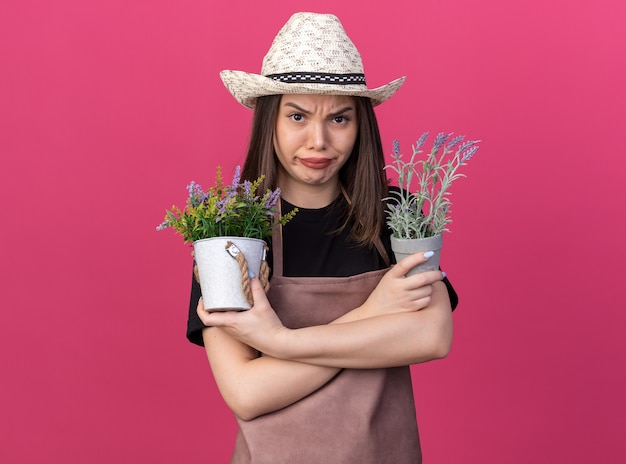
{"x":277,"y":245}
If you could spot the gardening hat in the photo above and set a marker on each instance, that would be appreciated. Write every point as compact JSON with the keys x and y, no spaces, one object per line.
{"x":312,"y":54}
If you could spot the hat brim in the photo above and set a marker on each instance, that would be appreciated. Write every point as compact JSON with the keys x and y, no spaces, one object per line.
{"x":247,"y":87}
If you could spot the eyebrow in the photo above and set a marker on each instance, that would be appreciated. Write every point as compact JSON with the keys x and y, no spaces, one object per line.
{"x":332,"y":115}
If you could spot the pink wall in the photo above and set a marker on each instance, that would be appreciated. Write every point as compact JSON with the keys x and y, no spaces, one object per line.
{"x":109,"y":108}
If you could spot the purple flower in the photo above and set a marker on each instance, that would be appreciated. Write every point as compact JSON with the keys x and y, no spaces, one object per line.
{"x":469,"y":153}
{"x":163,"y":225}
{"x":193,"y":188}
{"x":421,"y":141}
{"x":455,"y":141}
{"x":247,"y":189}
{"x":223,"y":204}
{"x":236,"y":177}
{"x":396,"y":148}
{"x":196,"y":195}
{"x":465,"y":145}
{"x":272,"y":199}
{"x":440,"y":140}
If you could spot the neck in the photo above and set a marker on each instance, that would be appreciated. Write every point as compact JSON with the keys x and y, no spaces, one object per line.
{"x":309,"y":196}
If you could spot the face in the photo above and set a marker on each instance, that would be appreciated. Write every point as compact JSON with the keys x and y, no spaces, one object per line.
{"x":313,"y":139}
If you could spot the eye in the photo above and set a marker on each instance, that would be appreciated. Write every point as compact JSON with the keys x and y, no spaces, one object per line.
{"x":296,"y":117}
{"x":341,"y":119}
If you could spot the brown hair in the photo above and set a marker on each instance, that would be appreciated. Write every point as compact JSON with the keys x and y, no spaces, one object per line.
{"x":362,"y":177}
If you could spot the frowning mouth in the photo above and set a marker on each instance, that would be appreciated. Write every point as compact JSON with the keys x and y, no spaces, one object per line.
{"x":316,"y":163}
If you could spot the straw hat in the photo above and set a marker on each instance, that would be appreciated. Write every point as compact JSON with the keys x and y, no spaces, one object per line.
{"x":311,"y":54}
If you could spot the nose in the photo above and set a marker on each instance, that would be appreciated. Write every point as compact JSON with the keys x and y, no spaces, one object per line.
{"x":317,"y":136}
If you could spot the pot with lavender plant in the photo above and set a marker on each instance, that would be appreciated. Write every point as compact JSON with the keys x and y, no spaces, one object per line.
{"x":419,"y":217}
{"x":228,"y":226}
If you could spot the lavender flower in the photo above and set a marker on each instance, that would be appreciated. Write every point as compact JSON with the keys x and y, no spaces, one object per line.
{"x":247,"y":189}
{"x":440,"y":140}
{"x":196,"y":194}
{"x":455,"y":141}
{"x":236,"y":177}
{"x":223,"y":204}
{"x":396,"y":149}
{"x":465,"y":145}
{"x":425,"y":211}
{"x":420,"y":142}
{"x":272,"y":199}
{"x":469,"y":153}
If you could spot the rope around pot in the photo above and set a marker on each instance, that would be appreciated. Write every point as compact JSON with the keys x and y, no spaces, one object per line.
{"x":264,"y":272}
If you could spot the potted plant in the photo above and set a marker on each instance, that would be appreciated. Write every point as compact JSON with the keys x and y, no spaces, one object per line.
{"x":228,"y":226}
{"x":418,"y":217}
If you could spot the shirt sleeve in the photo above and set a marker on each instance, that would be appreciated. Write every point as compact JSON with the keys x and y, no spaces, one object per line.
{"x":194,"y":324}
{"x":454,"y":298}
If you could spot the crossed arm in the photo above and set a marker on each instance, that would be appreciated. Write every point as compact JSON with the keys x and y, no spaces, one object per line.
{"x":406,"y":320}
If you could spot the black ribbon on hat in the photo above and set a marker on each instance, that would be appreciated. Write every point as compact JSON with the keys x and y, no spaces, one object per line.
{"x":318,"y":78}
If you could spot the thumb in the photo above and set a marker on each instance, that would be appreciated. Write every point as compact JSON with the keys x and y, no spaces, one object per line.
{"x":258,"y":293}
{"x":408,"y":263}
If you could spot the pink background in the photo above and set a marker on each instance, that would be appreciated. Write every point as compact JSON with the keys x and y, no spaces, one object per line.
{"x":109,"y":108}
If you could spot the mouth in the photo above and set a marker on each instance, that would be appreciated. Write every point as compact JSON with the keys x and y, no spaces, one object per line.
{"x":316,"y":163}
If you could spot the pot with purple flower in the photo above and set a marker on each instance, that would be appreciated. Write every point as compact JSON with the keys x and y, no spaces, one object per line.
{"x":228,"y":226}
{"x":419,"y":217}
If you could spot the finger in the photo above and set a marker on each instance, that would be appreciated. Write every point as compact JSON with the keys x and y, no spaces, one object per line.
{"x":421,"y":303}
{"x":258,"y":293}
{"x":215,"y":318}
{"x":200,"y":311}
{"x":408,"y":263}
{"x":219,"y":318}
{"x":420,"y":292}
{"x":422,"y":279}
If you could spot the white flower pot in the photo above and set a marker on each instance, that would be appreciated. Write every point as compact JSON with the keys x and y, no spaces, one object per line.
{"x":403,"y":247}
{"x":220,"y":273}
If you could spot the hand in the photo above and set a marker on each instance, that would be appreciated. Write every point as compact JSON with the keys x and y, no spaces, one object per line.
{"x":257,"y":327}
{"x":396,"y":293}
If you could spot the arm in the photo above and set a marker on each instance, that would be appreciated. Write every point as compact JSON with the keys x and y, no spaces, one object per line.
{"x":389,"y":329}
{"x":253,"y":385}
{"x":384,"y":341}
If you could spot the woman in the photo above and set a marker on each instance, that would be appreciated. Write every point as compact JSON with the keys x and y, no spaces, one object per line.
{"x":317,"y":371}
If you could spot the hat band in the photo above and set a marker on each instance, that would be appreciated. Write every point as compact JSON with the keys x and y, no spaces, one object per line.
{"x":318,"y":78}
